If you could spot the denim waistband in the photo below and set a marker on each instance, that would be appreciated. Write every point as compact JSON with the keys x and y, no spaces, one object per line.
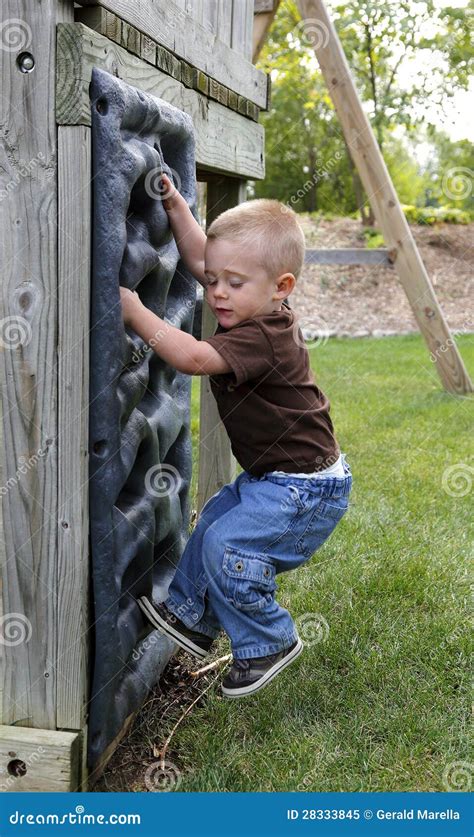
{"x":329,"y":486}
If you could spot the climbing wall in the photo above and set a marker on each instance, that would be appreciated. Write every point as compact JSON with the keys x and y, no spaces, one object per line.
{"x":139,"y":432}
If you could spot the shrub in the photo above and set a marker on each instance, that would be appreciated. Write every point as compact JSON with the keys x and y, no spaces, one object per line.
{"x":435,"y":214}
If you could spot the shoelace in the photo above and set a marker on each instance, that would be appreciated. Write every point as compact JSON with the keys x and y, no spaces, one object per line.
{"x":243,"y":664}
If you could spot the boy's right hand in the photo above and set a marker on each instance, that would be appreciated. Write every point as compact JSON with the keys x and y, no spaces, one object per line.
{"x":169,"y":193}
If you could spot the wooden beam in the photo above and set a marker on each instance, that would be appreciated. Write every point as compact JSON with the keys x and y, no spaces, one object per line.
{"x":261,"y":6}
{"x":349,"y":256}
{"x":164,"y":22}
{"x":217,"y":465}
{"x":74,"y":271}
{"x":29,"y":371}
{"x":40,"y":760}
{"x":242,"y":27}
{"x":225,"y":140}
{"x":265,"y":11}
{"x":109,"y":25}
{"x":382,"y":196}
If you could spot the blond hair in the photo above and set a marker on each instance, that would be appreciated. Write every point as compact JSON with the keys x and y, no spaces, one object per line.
{"x":271,"y":224}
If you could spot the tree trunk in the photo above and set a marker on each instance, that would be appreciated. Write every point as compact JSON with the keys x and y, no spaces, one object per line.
{"x":312,"y":194}
{"x":367,"y":217}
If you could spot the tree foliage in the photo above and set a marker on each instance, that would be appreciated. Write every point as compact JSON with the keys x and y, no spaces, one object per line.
{"x":405,"y":58}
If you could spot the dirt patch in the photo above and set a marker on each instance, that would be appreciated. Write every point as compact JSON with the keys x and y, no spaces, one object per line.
{"x":136,"y":764}
{"x":356,"y":301}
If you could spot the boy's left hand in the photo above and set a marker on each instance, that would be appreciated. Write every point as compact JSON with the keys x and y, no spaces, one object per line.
{"x":131,"y":303}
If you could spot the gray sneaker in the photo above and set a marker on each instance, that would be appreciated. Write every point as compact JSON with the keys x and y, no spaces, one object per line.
{"x":247,"y":676}
{"x":194,"y":642}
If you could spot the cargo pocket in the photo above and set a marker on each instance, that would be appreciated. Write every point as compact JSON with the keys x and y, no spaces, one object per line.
{"x":249,"y":582}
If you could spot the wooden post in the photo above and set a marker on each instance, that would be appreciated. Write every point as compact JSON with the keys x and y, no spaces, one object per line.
{"x":43,"y":553}
{"x":264,"y":12}
{"x":382,"y":196}
{"x":217,"y":464}
{"x":74,"y":268}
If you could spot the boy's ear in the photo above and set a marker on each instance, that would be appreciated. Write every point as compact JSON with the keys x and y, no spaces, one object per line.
{"x":285,"y":284}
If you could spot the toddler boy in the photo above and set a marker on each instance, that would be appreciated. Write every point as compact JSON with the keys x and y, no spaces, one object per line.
{"x":295,"y":482}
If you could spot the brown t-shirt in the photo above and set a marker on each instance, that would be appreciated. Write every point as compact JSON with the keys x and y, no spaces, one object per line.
{"x":276,"y":418}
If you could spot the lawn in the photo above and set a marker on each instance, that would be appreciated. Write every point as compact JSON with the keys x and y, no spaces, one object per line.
{"x":379,"y":699}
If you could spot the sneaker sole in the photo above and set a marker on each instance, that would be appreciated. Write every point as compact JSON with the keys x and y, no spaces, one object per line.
{"x":269,"y":675}
{"x":161,"y":625}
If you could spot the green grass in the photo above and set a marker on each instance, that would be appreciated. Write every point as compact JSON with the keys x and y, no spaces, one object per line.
{"x":382,"y":703}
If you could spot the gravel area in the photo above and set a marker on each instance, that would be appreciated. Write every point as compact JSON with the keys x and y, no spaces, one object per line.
{"x":358,"y":301}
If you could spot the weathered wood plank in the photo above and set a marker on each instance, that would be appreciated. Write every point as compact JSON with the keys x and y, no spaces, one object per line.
{"x":40,"y":760}
{"x":265,"y":11}
{"x":262,"y":6}
{"x":28,"y":224}
{"x":170,"y":26}
{"x":224,"y":21}
{"x":217,"y":465}
{"x":349,"y":256}
{"x":225,"y":141}
{"x":383,"y":198}
{"x":74,"y":204}
{"x":141,"y":45}
{"x":242,"y":27}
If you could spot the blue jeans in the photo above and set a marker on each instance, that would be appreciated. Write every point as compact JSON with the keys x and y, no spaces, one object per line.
{"x":249,"y":531}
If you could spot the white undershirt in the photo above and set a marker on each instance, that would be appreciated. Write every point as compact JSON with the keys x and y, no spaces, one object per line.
{"x":336,"y":470}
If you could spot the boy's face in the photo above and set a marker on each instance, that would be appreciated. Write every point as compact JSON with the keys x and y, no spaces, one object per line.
{"x":238,"y":287}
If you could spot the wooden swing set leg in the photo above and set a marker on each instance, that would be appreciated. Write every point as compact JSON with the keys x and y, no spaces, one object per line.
{"x":378,"y":185}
